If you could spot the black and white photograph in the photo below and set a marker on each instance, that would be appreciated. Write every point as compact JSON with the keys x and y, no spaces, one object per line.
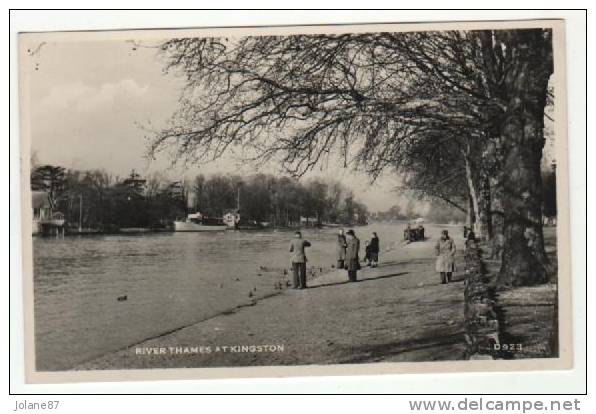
{"x":361,"y":198}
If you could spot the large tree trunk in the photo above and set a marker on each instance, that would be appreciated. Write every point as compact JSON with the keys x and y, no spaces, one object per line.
{"x":524,"y":260}
{"x":474,"y":198}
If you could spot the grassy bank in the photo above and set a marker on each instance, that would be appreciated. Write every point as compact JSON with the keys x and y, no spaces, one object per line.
{"x":396,"y":312}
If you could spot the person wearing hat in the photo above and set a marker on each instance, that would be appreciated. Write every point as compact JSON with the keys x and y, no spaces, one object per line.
{"x":445,"y":250}
{"x":298,"y":258}
{"x":352,"y":259}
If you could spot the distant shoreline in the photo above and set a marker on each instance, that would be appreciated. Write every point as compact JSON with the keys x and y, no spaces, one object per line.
{"x":147,"y":230}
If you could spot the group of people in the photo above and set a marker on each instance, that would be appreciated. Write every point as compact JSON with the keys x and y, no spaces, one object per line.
{"x":348,"y":255}
{"x":348,"y":248}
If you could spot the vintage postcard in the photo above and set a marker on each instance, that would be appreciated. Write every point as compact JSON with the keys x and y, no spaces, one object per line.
{"x":289,"y":201}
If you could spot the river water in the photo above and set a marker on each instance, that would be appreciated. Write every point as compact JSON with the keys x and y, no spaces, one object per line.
{"x":170,"y":280}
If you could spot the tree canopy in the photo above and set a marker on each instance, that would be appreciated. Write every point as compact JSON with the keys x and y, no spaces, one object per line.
{"x":459,"y":113}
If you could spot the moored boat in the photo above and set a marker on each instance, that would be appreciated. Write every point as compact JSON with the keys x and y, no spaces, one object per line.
{"x":231,"y":220}
{"x":198,"y":222}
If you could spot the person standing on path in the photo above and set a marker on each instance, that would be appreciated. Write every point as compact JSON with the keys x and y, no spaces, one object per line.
{"x":298,"y":257}
{"x":445,"y":250}
{"x":341,"y":250}
{"x":352,"y":259}
{"x":374,"y":250}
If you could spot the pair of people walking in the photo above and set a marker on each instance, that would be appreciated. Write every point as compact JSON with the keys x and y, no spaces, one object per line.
{"x":348,"y":253}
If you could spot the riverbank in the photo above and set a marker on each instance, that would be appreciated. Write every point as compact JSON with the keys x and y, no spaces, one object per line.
{"x":396,"y":312}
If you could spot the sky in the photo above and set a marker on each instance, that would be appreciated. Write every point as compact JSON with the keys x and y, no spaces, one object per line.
{"x":89,"y":100}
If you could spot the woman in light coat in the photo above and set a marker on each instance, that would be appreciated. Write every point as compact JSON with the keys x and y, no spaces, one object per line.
{"x":341,"y":250}
{"x":445,"y":250}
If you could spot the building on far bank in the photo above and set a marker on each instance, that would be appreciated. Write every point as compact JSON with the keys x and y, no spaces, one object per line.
{"x":308,"y":221}
{"x":45,"y":221}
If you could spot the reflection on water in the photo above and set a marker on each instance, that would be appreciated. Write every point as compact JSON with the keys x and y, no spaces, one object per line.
{"x":170,"y":280}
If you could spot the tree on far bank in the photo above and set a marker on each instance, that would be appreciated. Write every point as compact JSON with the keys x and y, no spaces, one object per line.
{"x":50,"y":179}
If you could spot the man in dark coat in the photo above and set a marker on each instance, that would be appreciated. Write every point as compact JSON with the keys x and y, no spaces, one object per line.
{"x":341,"y":250}
{"x":298,"y":258}
{"x":374,"y":250}
{"x":352,"y":259}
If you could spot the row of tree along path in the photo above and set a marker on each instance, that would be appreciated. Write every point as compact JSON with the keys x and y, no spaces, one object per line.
{"x":459,"y":114}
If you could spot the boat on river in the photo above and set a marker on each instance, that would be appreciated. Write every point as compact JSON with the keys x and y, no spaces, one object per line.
{"x":198,"y":222}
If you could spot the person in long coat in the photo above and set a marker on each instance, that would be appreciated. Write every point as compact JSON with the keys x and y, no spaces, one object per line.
{"x":445,"y":250}
{"x":375,"y":246}
{"x":341,"y":250}
{"x":298,"y":258}
{"x":352,"y":258}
